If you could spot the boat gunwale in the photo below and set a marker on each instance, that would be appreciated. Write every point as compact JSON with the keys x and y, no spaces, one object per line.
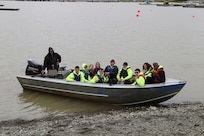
{"x":105,"y":85}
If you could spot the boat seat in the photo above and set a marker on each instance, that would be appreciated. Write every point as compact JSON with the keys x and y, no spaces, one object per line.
{"x":61,"y":74}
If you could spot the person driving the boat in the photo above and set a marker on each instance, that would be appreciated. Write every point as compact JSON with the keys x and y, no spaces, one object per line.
{"x":99,"y":77}
{"x":139,"y":78}
{"x":76,"y":75}
{"x":125,"y":74}
{"x":51,"y":60}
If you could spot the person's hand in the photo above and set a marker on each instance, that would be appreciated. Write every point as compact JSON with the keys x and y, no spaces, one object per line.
{"x":107,"y":73}
{"x":119,"y":81}
{"x":43,"y":72}
{"x":97,"y":80}
{"x":136,"y":77}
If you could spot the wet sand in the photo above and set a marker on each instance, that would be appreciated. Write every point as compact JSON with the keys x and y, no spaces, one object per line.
{"x":176,"y":119}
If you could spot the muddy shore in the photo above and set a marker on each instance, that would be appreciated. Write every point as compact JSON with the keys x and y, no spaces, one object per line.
{"x":176,"y":119}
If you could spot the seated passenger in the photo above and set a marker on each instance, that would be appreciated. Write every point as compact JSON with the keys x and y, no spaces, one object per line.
{"x":158,"y":74}
{"x":97,"y":67}
{"x":125,"y":74}
{"x":91,"y":70}
{"x":85,"y":71}
{"x":147,"y":71}
{"x":139,"y":78}
{"x":76,"y":75}
{"x":99,"y":77}
{"x":111,"y":71}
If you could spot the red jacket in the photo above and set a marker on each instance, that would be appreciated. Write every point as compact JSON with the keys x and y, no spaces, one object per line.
{"x":159,"y":75}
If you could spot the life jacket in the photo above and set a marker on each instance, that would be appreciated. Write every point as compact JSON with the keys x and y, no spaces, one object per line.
{"x":143,"y":75}
{"x":146,"y":72}
{"x":124,"y":73}
{"x":110,"y":69}
{"x":157,"y":76}
{"x":86,"y":74}
{"x":77,"y":77}
{"x":101,"y":78}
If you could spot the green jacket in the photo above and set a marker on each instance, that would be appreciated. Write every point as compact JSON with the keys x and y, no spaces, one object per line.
{"x":85,"y":70}
{"x":140,"y":81}
{"x":96,"y":78}
{"x":129,"y":74}
{"x":70,"y":77}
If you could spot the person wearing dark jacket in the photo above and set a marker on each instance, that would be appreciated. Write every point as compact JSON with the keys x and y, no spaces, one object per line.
{"x":158,"y":74}
{"x":111,"y":72}
{"x":51,"y":60}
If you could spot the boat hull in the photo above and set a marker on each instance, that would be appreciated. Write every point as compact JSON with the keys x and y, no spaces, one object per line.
{"x":115,"y":94}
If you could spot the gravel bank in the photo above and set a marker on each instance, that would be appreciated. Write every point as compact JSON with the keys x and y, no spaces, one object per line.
{"x":178,"y":120}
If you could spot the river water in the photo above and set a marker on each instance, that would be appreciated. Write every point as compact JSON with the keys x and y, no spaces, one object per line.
{"x":89,"y":32}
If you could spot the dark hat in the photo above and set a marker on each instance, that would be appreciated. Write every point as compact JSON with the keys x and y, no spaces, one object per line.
{"x":155,"y":64}
{"x":125,"y":64}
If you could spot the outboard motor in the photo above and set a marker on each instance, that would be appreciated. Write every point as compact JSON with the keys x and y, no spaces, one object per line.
{"x":33,"y":68}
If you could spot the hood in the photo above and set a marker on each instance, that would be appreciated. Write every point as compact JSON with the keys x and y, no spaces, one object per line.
{"x":76,"y":73}
{"x":160,"y":67}
{"x":83,"y":66}
{"x":141,"y":74}
{"x":99,"y":73}
{"x":126,"y":67}
{"x":49,"y":49}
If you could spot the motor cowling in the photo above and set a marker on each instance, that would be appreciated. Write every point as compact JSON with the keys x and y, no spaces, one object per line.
{"x":33,"y":68}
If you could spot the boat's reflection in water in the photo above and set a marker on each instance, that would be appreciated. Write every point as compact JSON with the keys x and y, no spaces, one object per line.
{"x":56,"y":104}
